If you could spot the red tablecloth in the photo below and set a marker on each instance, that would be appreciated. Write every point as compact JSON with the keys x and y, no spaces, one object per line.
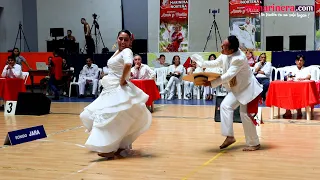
{"x":10,"y":88}
{"x":318,"y":88}
{"x":292,"y":95}
{"x":149,"y":87}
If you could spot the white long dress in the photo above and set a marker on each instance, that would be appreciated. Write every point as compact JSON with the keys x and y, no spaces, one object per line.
{"x":119,"y":115}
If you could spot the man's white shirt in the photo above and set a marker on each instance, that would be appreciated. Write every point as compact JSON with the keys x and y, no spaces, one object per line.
{"x":144,"y":72}
{"x":15,"y":72}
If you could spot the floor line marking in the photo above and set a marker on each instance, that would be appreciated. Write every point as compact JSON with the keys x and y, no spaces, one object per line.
{"x":209,"y":161}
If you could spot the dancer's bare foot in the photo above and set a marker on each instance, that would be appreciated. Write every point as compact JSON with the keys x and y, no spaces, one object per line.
{"x":252,"y":148}
{"x":107,"y":155}
{"x":118,"y":152}
{"x":229,"y":140}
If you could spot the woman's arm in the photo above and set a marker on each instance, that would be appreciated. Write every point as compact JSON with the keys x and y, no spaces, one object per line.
{"x":127,"y":56}
{"x":126,"y":71}
{"x":25,"y":62}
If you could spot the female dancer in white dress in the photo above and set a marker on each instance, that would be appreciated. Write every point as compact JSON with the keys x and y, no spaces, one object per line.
{"x":119,"y":115}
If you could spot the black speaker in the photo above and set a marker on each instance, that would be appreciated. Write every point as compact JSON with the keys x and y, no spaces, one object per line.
{"x":33,"y":104}
{"x":297,"y":43}
{"x":236,"y":113}
{"x":274,"y":43}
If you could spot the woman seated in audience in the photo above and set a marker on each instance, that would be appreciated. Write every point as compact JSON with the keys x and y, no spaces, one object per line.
{"x":263,"y":71}
{"x":251,"y":58}
{"x":12,"y":70}
{"x":209,"y":91}
{"x":174,"y":77}
{"x":188,"y":86}
{"x":297,"y":73}
{"x":19,"y":59}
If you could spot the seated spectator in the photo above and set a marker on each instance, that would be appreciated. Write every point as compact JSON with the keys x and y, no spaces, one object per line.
{"x":65,"y":65}
{"x":174,"y":76}
{"x":251,"y":58}
{"x":55,"y":68}
{"x":263,"y":71}
{"x":141,"y":71}
{"x":12,"y":70}
{"x":88,"y":76}
{"x":297,"y":73}
{"x":160,"y":62}
{"x":188,"y":86}
{"x":209,"y":92}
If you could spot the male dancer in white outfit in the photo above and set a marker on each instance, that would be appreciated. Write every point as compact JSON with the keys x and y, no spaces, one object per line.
{"x":242,"y":88}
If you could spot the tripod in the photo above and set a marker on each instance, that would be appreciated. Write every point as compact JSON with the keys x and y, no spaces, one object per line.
{"x":97,"y":33}
{"x":19,"y":36}
{"x":216,"y":30}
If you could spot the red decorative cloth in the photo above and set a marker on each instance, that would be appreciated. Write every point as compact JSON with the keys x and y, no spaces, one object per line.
{"x":252,"y":108}
{"x":10,"y":88}
{"x":149,"y":87}
{"x":318,"y":88}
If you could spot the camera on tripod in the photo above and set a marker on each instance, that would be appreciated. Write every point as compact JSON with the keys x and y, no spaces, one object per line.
{"x":214,"y":11}
{"x":94,"y":16}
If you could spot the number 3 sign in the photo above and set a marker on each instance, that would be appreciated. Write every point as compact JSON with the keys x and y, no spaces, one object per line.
{"x":10,"y":108}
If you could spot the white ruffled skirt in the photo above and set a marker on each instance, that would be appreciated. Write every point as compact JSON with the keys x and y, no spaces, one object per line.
{"x":117,"y":117}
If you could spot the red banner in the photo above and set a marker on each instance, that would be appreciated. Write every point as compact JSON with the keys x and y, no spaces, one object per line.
{"x":173,"y":30}
{"x":317,"y":8}
{"x":172,"y":11}
{"x":239,"y":9}
{"x":245,"y":23}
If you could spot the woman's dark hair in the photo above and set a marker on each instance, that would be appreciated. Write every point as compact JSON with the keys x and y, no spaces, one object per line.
{"x":174,"y":57}
{"x":124,"y":31}
{"x":13,"y":52}
{"x":233,"y":43}
{"x":300,"y":56}
{"x":212,"y":55}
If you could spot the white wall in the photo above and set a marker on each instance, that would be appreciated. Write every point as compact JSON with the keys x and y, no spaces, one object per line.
{"x":9,"y":23}
{"x":288,"y":26}
{"x":153,"y":25}
{"x":67,"y":14}
{"x":199,"y":24}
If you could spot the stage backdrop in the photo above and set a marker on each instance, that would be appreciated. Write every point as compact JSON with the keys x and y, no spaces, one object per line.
{"x":185,"y":57}
{"x":173,"y":29}
{"x":317,"y":25}
{"x":245,"y":23}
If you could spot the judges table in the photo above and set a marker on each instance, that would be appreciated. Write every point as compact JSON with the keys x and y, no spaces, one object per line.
{"x":149,"y":87}
{"x":318,"y":88}
{"x":10,"y":88}
{"x":33,"y":73}
{"x":292,"y":95}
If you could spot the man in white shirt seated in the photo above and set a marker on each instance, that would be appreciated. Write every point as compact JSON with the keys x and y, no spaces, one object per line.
{"x":297,"y":73}
{"x":12,"y":70}
{"x":89,"y":75}
{"x":263,"y":72}
{"x":141,"y":71}
{"x":160,"y":62}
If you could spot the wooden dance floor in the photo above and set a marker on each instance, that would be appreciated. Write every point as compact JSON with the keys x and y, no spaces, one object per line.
{"x":181,"y":144}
